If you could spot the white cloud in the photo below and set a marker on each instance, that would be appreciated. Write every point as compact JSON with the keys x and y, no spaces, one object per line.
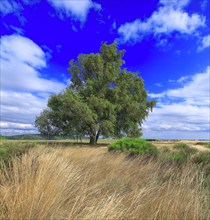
{"x":19,"y":31}
{"x":196,"y":89}
{"x":169,"y":17}
{"x":114,"y":25}
{"x":76,"y":9}
{"x":30,"y":2}
{"x":12,"y":7}
{"x":11,"y":125}
{"x":24,"y":92}
{"x":18,"y":131}
{"x":20,"y":61}
{"x":22,"y":49}
{"x":158,"y":84}
{"x":8,"y":7}
{"x":21,"y":107}
{"x":175,"y":3}
{"x":205,"y":43}
{"x":183,"y":79}
{"x":182,"y":110}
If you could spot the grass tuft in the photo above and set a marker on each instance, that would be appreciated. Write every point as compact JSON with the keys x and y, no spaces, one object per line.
{"x":185,"y":149}
{"x":177,"y":158}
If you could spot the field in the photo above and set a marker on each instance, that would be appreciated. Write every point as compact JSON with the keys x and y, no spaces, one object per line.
{"x":62,"y":180}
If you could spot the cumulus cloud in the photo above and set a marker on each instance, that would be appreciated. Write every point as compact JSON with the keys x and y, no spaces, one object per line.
{"x":205,"y":43}
{"x":183,"y":110}
{"x":21,"y":107}
{"x":24,"y":92}
{"x":21,"y":59}
{"x":195,"y":90}
{"x":76,"y":9}
{"x":170,"y":17}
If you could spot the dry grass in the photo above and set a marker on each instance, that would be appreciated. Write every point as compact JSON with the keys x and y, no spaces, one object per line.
{"x":90,"y":183}
{"x":171,"y":143}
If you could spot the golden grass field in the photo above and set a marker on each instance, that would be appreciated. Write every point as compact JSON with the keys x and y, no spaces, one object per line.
{"x":92,"y":183}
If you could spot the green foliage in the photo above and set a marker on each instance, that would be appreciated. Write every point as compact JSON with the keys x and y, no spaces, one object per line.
{"x":2,"y":138}
{"x":3,"y":152}
{"x":44,"y":123}
{"x":134,"y":146}
{"x":185,"y":149}
{"x":10,"y":149}
{"x":151,"y":139}
{"x":102,"y":99}
{"x":174,"y":157}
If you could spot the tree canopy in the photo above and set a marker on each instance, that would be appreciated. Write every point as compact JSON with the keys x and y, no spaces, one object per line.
{"x":102,"y":99}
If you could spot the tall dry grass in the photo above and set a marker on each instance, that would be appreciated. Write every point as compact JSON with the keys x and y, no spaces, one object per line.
{"x":85,"y":183}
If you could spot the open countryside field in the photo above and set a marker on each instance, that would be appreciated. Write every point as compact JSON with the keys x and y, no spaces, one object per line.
{"x":104,"y":110}
{"x":200,"y":145}
{"x":76,"y":181}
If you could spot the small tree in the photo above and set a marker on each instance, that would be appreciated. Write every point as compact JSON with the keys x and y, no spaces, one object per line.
{"x":102,"y":99}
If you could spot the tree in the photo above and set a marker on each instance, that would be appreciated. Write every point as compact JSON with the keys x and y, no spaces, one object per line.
{"x":103,"y":98}
{"x":45,"y":125}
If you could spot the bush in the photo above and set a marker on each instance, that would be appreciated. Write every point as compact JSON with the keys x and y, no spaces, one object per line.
{"x":174,"y":157}
{"x":10,"y":149}
{"x":134,"y":146}
{"x":185,"y":149}
{"x":3,"y":152}
{"x":2,"y":138}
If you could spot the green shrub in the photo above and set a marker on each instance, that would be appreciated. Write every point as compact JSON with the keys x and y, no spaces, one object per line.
{"x":133,"y":151}
{"x":185,"y":149}
{"x":2,"y":138}
{"x":151,"y":139}
{"x":134,"y":146}
{"x":202,"y":158}
{"x":174,"y":157}
{"x":10,"y":149}
{"x":3,"y":152}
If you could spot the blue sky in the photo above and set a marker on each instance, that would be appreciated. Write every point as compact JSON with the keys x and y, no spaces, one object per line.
{"x":166,"y":41}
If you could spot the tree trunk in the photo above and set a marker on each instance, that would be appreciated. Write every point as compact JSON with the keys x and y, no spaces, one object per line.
{"x":97,"y":136}
{"x":93,"y":139}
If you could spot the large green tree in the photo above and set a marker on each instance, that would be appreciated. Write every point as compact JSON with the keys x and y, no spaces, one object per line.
{"x":103,"y":98}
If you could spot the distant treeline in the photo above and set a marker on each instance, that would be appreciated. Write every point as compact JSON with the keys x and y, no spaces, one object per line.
{"x":37,"y":137}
